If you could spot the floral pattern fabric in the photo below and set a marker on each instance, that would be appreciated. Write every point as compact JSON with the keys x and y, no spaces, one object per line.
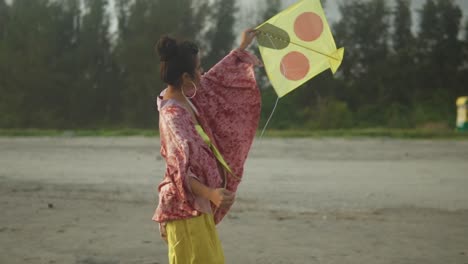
{"x":228,"y":103}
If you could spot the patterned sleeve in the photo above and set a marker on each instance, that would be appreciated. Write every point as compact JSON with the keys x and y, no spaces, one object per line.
{"x":177,"y":125}
{"x":229,"y":103}
{"x":235,"y":70}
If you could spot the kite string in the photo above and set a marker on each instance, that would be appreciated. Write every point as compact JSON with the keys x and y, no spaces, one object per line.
{"x":269,"y":118}
{"x":277,"y":100}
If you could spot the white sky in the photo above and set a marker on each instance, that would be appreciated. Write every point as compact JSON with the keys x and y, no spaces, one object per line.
{"x":334,"y":14}
{"x":249,"y":7}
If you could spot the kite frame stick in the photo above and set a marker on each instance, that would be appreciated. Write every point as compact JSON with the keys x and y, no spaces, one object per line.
{"x":270,"y":35}
{"x":290,"y":8}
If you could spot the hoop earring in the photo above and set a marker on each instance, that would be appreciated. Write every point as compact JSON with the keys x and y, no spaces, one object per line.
{"x":194,"y":86}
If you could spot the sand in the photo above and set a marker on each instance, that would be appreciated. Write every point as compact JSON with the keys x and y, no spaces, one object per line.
{"x":90,"y":201}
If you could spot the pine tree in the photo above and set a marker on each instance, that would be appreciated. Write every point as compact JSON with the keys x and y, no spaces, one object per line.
{"x":4,"y":107}
{"x":402,"y":63}
{"x":90,"y":92}
{"x":3,"y":18}
{"x":141,"y":24}
{"x":364,"y":32}
{"x":403,"y":39}
{"x":221,"y":35}
{"x":439,"y":47}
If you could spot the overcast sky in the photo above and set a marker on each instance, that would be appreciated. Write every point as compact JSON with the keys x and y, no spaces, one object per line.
{"x":332,"y":7}
{"x":248,"y":9}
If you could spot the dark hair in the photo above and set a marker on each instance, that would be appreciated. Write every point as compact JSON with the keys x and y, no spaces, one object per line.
{"x":176,"y":59}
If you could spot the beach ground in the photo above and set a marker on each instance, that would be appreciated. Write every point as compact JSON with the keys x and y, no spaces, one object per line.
{"x":89,"y":200}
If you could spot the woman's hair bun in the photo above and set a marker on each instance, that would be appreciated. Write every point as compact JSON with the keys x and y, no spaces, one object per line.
{"x":176,"y":58}
{"x":167,"y":48}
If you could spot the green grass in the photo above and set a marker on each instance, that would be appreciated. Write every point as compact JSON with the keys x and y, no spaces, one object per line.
{"x":371,"y":133}
{"x":77,"y":133}
{"x":345,"y":133}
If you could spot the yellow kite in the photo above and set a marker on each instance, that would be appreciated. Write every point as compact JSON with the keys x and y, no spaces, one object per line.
{"x":296,"y":45}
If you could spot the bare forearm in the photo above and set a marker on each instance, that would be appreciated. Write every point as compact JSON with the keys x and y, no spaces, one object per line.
{"x":200,"y":189}
{"x":220,"y":197}
{"x":247,"y":38}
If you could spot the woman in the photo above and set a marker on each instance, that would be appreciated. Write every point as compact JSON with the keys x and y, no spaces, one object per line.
{"x":207,"y":124}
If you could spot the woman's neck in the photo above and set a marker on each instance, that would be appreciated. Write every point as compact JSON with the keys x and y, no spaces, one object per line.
{"x":173,"y":92}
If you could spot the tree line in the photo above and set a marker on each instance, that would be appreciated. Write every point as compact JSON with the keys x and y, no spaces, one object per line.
{"x":75,"y":64}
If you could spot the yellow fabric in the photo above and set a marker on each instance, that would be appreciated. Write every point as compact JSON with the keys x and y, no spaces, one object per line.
{"x":320,"y":53}
{"x":203,"y":134}
{"x":462,"y":101}
{"x":213,"y":148}
{"x":194,"y":241}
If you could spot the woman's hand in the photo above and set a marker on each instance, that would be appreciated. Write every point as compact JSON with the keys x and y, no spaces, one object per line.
{"x":219,"y":197}
{"x":222,"y":197}
{"x":247,"y":38}
{"x":162,"y":231}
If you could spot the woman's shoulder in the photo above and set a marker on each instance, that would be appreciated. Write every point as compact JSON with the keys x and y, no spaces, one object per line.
{"x":172,"y":107}
{"x":172,"y":112}
{"x":167,"y":104}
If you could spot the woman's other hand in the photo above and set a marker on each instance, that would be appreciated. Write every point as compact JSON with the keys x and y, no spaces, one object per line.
{"x":247,"y":38}
{"x":162,"y":231}
{"x":222,"y":197}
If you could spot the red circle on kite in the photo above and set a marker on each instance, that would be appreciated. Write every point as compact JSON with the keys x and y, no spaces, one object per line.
{"x":294,"y":66}
{"x":308,"y":26}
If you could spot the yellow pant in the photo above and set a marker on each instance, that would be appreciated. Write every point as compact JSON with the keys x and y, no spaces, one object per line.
{"x":194,"y":241}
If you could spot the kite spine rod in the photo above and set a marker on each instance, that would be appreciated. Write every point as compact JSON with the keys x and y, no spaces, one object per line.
{"x":294,"y":43}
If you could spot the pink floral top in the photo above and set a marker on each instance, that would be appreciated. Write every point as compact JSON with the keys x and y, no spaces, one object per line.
{"x":228,"y":103}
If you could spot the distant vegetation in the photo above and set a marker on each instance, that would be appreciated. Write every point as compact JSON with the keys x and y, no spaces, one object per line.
{"x":287,"y":133}
{"x":60,"y":68}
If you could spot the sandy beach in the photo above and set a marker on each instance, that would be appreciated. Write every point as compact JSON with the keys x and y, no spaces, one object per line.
{"x":89,"y":200}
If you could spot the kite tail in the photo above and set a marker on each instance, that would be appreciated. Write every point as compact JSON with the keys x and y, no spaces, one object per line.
{"x":337,"y":59}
